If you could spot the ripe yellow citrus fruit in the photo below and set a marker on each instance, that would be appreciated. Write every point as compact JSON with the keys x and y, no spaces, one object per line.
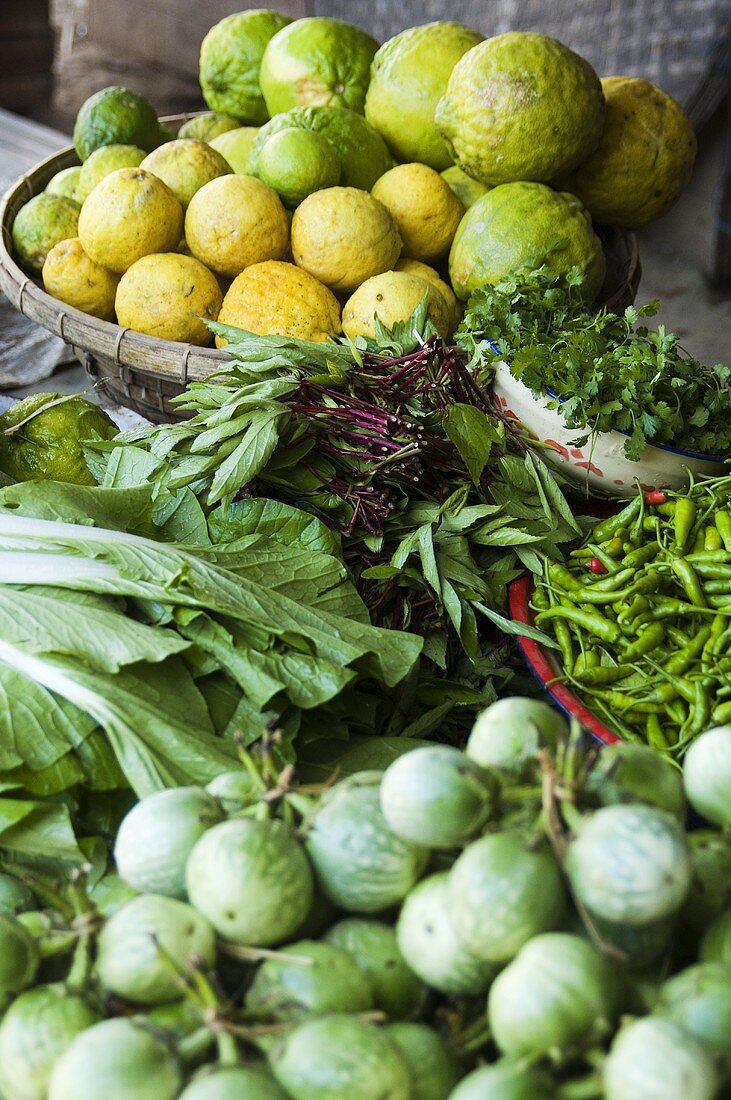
{"x":431,"y":275}
{"x":519,"y":227}
{"x":465,"y":188}
{"x":644,"y":159}
{"x":521,"y":106}
{"x":317,"y":61}
{"x":234,"y":146}
{"x":236,"y":221}
{"x":185,"y":165}
{"x":169,"y":296}
{"x":39,"y":225}
{"x":275,"y":298}
{"x":73,"y":277}
{"x":342,"y":236}
{"x":106,"y":159}
{"x":424,"y":207}
{"x":296,"y":162}
{"x":230,"y":60}
{"x":409,"y":76}
{"x":130,"y":214}
{"x":392,"y":297}
{"x":208,"y":125}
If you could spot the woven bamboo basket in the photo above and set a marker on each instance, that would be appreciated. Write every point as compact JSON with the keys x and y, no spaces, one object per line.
{"x":144,"y":373}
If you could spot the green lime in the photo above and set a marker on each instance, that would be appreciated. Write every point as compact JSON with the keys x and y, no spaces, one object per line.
{"x":521,"y":227}
{"x":317,"y":61}
{"x":48,"y":445}
{"x":521,"y":106}
{"x":230,"y":59}
{"x":116,"y":116}
{"x":106,"y":159}
{"x":465,"y":188}
{"x":65,"y":182}
{"x":408,"y":78}
{"x":39,"y":225}
{"x":297,"y":162}
{"x":363,"y":153}
{"x":207,"y":125}
{"x":235,"y":146}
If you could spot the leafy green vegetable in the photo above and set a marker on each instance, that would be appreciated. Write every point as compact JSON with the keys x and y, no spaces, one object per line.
{"x":603,"y":371}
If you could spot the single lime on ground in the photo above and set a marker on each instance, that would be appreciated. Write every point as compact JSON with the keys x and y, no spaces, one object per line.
{"x":41,"y":438}
{"x":116,"y":116}
{"x":74,"y":278}
{"x":362,"y":151}
{"x":207,"y":125}
{"x":106,"y":159}
{"x":465,"y":188}
{"x":392,"y":297}
{"x":39,"y":225}
{"x":130,"y":214}
{"x":280,"y":299}
{"x":236,"y":221}
{"x":185,"y":165}
{"x":297,"y":162}
{"x":521,"y":106}
{"x":424,"y":207}
{"x":342,"y":236}
{"x":317,"y":61}
{"x":230,"y":60}
{"x":65,"y":182}
{"x":519,"y":227}
{"x":169,"y":296}
{"x":235,"y":146}
{"x":409,"y":76}
{"x":644,"y":159}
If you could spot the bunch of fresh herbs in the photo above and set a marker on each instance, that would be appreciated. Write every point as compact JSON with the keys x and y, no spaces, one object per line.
{"x":603,"y":370}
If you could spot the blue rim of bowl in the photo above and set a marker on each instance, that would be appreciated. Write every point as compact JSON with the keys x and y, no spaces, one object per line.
{"x":699,"y":455}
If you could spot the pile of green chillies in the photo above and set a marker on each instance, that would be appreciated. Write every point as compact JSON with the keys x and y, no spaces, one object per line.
{"x":641,"y":612}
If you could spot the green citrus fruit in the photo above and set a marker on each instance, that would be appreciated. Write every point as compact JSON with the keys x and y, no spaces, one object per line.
{"x":235,"y":145}
{"x":317,"y":62}
{"x":521,"y":227}
{"x":230,"y":60}
{"x":49,"y":444}
{"x":207,"y":125}
{"x":408,"y":78}
{"x":116,"y":116}
{"x":521,"y":106}
{"x":297,"y":162}
{"x":363,"y":153}
{"x":465,"y":188}
{"x":644,"y":159}
{"x":106,"y":159}
{"x":39,"y":225}
{"x":65,"y":182}
{"x":185,"y":165}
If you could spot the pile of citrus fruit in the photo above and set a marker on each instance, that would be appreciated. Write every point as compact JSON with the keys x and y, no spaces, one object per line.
{"x":333,"y":181}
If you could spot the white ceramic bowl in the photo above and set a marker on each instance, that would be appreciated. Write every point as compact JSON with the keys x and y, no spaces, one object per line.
{"x":600,"y":466}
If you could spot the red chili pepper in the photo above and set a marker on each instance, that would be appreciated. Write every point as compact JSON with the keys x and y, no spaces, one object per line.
{"x":656,"y":496}
{"x":597,"y":566}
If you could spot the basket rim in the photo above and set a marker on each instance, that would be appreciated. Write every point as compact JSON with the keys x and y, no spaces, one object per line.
{"x":174,"y":360}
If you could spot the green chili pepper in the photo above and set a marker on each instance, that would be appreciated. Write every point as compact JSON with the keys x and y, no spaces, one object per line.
{"x":700,"y":714}
{"x":591,"y":621}
{"x":612,"y":524}
{"x":723,"y":526}
{"x":651,"y":637}
{"x":713,"y":540}
{"x":608,"y":560}
{"x":686,"y":574}
{"x":655,"y":735}
{"x":606,"y":674}
{"x":718,"y":627}
{"x":684,"y":521}
{"x":641,"y":556}
{"x":666,"y":509}
{"x":709,"y":557}
{"x":668,"y":607}
{"x":588,"y":658}
{"x":677,"y":665}
{"x":722,"y":713}
{"x":717,"y":587}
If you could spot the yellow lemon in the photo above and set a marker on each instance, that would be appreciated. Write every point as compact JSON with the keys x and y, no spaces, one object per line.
{"x":130,"y":214}
{"x":432,"y":276}
{"x":424,"y":207}
{"x":275,"y":298}
{"x":392,"y":297}
{"x":644,"y":159}
{"x":169,"y":296}
{"x":185,"y":165}
{"x":105,"y":159}
{"x":236,"y":221}
{"x":73,"y":277}
{"x":343,"y":236}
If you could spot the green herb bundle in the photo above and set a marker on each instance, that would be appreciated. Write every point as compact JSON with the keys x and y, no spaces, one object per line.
{"x":604,"y":371}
